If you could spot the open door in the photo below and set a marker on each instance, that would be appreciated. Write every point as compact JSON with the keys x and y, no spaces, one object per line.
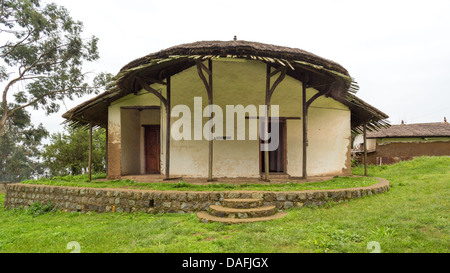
{"x":277,"y":158}
{"x":152,"y":149}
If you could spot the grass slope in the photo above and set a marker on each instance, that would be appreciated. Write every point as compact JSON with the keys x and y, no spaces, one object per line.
{"x":411,"y":217}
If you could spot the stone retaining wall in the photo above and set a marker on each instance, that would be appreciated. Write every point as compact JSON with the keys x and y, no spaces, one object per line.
{"x":124,"y":200}
{"x":3,"y":186}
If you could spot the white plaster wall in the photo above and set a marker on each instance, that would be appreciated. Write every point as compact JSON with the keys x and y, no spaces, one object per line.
{"x":359,"y":140}
{"x":237,"y":81}
{"x":328,"y":141}
{"x":124,"y":130}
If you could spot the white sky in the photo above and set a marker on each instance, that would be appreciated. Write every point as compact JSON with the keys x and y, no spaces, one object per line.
{"x":398,"y":51}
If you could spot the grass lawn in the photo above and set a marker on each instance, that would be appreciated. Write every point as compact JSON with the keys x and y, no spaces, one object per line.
{"x":411,"y":217}
{"x":82,"y":181}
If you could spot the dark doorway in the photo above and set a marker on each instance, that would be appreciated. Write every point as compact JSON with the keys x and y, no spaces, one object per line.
{"x":277,"y":158}
{"x":152,"y":148}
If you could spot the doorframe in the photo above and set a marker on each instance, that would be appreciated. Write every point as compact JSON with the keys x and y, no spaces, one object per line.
{"x":158,"y":127}
{"x":284,"y":140}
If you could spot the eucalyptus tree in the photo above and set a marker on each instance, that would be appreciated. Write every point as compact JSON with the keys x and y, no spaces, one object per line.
{"x":42,"y":55}
{"x":20,"y":147}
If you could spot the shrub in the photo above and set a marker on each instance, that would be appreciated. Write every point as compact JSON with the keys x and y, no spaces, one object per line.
{"x":37,"y":208}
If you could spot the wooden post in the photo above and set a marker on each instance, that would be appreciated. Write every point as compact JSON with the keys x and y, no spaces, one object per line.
{"x":90,"y":152}
{"x":305,"y":128}
{"x":209,"y":89}
{"x":210,"y":101}
{"x":266,"y":124}
{"x":106,"y":150}
{"x":365,"y":148}
{"x":167,"y":175}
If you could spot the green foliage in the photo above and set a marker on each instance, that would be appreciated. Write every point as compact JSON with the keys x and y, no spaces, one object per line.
{"x":37,"y":208}
{"x":68,"y":152}
{"x":20,"y":148}
{"x":42,"y":57}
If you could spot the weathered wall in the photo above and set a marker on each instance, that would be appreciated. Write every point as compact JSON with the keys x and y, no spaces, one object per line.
{"x":238,"y":81}
{"x":395,"y":152}
{"x":74,"y":199}
{"x":328,"y":138}
{"x":130,"y":141}
{"x":116,"y":158}
{"x":359,"y":141}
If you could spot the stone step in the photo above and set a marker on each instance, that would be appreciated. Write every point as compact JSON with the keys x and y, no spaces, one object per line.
{"x":220,"y":211}
{"x":276,"y":176}
{"x":206,"y":218}
{"x":242,"y":203}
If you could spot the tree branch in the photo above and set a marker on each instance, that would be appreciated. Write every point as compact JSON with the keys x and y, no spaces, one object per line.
{"x":16,"y":45}
{"x":10,"y":113}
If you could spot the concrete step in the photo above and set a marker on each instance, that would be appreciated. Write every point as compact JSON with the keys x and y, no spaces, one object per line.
{"x":242,"y":203}
{"x":206,"y":218}
{"x":276,"y":176}
{"x":220,"y":211}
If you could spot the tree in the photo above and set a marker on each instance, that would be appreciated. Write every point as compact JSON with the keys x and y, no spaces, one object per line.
{"x":68,"y":152}
{"x":42,"y":57}
{"x":19,"y":148}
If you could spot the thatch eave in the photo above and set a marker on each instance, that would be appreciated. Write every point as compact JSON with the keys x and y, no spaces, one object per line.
{"x":324,"y":75}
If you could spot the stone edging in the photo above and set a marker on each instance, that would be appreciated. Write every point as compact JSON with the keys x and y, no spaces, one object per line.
{"x":150,"y":201}
{"x":3,"y":185}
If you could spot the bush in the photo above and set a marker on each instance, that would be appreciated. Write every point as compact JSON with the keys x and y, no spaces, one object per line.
{"x":37,"y":208}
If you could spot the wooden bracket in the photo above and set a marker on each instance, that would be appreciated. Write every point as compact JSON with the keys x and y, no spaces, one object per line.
{"x":153,"y":91}
{"x":282,"y":70}
{"x":200,"y":68}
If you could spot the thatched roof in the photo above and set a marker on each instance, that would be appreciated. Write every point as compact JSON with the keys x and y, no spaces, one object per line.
{"x":323,"y":75}
{"x":437,"y":129}
{"x":239,"y":48}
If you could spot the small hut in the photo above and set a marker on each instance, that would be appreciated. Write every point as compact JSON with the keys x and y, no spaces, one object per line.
{"x":316,"y":111}
{"x":405,"y":141}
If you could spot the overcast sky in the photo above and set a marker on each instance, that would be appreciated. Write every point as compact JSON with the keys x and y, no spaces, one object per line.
{"x":397,"y":51}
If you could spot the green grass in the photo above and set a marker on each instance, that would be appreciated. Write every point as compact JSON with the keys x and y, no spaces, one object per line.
{"x":411,"y":217}
{"x":82,"y":181}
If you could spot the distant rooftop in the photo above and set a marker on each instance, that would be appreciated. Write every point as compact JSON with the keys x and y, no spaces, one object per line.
{"x":436,"y":129}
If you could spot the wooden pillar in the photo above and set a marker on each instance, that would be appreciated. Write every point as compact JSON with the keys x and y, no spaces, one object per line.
{"x":266,"y":124}
{"x":210,"y":101}
{"x":270,"y":89}
{"x":305,"y":129}
{"x":90,"y":152}
{"x":106,"y":148}
{"x":167,"y":169}
{"x":209,"y":89}
{"x":365,"y":147}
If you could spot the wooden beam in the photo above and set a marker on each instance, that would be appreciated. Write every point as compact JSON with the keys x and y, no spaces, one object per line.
{"x":153,"y":91}
{"x":210,"y":100}
{"x":266,"y":124}
{"x":365,"y":147}
{"x":279,"y":69}
{"x":154,"y":107}
{"x":277,"y":81}
{"x":206,"y":69}
{"x":90,"y":152}
{"x":156,"y":81}
{"x":106,"y":150}
{"x":167,"y":167}
{"x":270,"y":89}
{"x":305,"y":128}
{"x":209,"y":89}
